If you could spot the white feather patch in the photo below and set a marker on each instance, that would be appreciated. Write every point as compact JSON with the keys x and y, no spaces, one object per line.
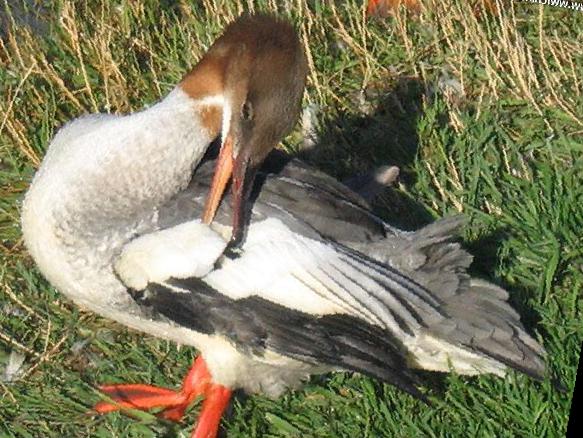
{"x":187,"y":250}
{"x":433,"y":354}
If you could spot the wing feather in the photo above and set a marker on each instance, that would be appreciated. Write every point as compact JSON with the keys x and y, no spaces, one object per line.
{"x":255,"y":326}
{"x":322,"y":278}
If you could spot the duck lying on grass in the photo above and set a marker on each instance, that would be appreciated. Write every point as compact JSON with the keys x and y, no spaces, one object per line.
{"x":315,"y":283}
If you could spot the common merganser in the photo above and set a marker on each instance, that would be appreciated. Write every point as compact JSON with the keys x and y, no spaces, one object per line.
{"x":319,"y":283}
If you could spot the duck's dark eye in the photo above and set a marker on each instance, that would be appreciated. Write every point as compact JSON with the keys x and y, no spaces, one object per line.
{"x":247,"y":111}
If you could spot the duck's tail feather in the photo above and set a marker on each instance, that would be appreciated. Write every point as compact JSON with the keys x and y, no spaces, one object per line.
{"x":478,"y":315}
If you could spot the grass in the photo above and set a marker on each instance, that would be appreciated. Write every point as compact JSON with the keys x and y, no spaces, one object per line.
{"x":482,"y":112}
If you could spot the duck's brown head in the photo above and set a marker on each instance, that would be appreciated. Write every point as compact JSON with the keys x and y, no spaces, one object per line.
{"x":259,"y":68}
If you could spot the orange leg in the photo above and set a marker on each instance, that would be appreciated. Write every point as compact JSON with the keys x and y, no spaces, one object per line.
{"x":174,"y":403}
{"x":213,"y":407}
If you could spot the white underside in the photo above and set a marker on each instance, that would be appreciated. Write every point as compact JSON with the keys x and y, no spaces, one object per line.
{"x":271,"y":374}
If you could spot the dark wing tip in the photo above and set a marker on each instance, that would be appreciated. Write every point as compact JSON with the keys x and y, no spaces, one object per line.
{"x":254,"y":324}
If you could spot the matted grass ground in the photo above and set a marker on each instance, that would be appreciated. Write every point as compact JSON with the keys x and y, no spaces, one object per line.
{"x":483,"y":113}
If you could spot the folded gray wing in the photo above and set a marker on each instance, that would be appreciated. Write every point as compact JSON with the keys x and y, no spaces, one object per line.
{"x":465,"y":311}
{"x":478,"y":314}
{"x":310,"y":202}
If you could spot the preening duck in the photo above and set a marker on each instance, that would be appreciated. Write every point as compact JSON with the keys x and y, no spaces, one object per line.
{"x":318,"y":283}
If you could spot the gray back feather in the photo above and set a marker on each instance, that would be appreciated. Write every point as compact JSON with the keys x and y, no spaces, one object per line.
{"x":476,"y":313}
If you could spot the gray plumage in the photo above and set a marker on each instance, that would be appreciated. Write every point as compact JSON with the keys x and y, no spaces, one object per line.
{"x":473,"y":313}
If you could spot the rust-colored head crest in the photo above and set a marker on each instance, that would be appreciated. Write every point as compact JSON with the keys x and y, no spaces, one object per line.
{"x":259,"y":69}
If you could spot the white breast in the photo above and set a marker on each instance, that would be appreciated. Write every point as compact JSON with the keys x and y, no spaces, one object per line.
{"x":100,"y":184}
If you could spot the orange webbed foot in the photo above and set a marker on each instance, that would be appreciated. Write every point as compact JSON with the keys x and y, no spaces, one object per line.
{"x":138,"y":396}
{"x":174,"y":403}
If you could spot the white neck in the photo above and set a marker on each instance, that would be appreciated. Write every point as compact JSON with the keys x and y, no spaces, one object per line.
{"x":101,"y":183}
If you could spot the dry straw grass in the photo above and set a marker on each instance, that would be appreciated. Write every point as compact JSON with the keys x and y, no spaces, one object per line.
{"x":540,"y":71}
